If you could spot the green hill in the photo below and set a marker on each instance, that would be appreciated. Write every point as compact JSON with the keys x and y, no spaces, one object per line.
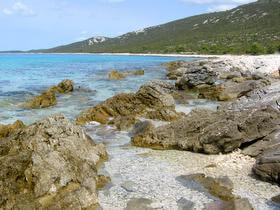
{"x":251,"y":28}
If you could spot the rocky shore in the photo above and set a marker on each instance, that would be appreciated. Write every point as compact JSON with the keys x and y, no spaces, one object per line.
{"x":155,"y":156}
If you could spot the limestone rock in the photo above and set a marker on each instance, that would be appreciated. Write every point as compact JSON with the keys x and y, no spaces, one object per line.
{"x":152,"y":101}
{"x":51,"y":164}
{"x":65,"y":86}
{"x":267,"y":166}
{"x":6,"y":130}
{"x":116,"y":75}
{"x":237,"y":204}
{"x":48,"y":97}
{"x":211,"y":132}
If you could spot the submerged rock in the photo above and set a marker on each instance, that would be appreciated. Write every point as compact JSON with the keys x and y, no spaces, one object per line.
{"x":151,"y":101}
{"x":211,"y":132}
{"x":51,"y":164}
{"x":221,"y":188}
{"x":238,"y":204}
{"x":117,"y":75}
{"x":7,"y":130}
{"x":48,"y":98}
{"x":139,"y":203}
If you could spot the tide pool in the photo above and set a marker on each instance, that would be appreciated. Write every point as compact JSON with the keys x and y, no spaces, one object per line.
{"x":22,"y":76}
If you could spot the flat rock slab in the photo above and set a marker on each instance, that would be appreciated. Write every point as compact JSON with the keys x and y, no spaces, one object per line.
{"x":139,"y":204}
{"x":218,"y":187}
{"x":239,"y":204}
{"x":184,"y":204}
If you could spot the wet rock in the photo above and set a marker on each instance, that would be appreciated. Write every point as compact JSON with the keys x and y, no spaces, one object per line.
{"x":46,"y":99}
{"x":116,"y":75}
{"x":66,"y":86}
{"x":138,"y":72}
{"x":184,"y":204}
{"x":102,"y":181}
{"x":139,"y":204}
{"x":237,"y":204}
{"x":7,"y":130}
{"x":221,"y":188}
{"x":51,"y":164}
{"x":129,"y":186}
{"x":211,"y":132}
{"x":152,"y":100}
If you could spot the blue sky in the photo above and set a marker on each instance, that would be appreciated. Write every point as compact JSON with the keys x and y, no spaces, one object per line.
{"x":34,"y":24}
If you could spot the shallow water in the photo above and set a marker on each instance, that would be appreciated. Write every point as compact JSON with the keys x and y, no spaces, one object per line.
{"x":24,"y":75}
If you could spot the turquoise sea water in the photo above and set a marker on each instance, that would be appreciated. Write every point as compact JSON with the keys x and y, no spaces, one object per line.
{"x":23,"y":76}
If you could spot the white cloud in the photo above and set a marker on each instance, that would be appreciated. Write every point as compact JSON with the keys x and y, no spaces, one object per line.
{"x":7,"y":12}
{"x":20,"y":9}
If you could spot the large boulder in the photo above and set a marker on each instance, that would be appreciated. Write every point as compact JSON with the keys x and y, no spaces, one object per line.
{"x":267,"y":166}
{"x":211,"y":132}
{"x":197,"y":75}
{"x":51,"y":164}
{"x":152,"y":101}
{"x":7,"y":130}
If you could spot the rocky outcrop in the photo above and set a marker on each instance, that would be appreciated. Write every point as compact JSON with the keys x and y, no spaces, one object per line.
{"x":151,"y":101}
{"x":117,"y":75}
{"x":230,"y":90}
{"x":66,"y":86}
{"x":48,"y":97}
{"x":7,"y":130}
{"x":51,"y":164}
{"x":210,"y":132}
{"x":215,"y":80}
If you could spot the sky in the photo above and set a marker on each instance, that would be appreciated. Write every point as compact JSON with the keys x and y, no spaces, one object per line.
{"x":38,"y":24}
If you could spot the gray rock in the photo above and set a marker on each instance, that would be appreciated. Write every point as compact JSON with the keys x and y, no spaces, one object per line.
{"x":184,"y":204}
{"x":238,"y":204}
{"x":129,"y":186}
{"x":198,"y":75}
{"x":51,"y":164}
{"x":139,"y":204}
{"x":211,"y":132}
{"x":267,"y":166}
{"x":260,"y":146}
{"x":218,"y":187}
{"x":152,"y":101}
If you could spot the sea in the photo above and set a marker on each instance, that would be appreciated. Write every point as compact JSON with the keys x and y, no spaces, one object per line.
{"x":23,"y":76}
